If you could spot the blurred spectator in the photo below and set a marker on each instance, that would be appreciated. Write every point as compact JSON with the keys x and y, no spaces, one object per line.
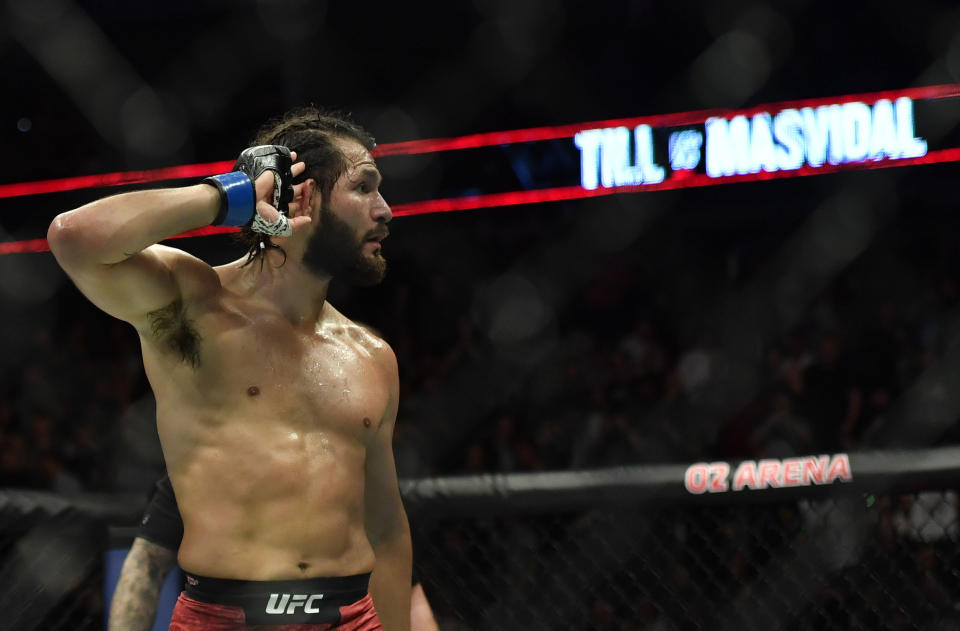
{"x":695,"y":368}
{"x":56,"y":477}
{"x":782,"y":434}
{"x":831,"y":396}
{"x":14,"y":468}
{"x":794,"y":362}
{"x":873,"y":420}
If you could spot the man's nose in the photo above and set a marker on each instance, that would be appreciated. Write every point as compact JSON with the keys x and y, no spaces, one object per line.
{"x":381,"y":210}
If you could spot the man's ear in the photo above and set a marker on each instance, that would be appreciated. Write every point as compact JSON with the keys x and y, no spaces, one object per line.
{"x":310,"y":196}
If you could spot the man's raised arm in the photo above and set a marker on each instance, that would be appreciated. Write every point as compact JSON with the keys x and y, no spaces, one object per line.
{"x":108,"y":247}
{"x":105,"y":246}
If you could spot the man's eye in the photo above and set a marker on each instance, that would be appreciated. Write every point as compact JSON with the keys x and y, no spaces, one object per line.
{"x":363,"y":188}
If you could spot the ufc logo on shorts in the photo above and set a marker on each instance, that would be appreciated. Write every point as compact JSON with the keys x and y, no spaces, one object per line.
{"x":288,"y":603}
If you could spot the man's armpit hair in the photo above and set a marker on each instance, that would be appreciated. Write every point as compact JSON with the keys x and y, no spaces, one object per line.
{"x":171,"y":327}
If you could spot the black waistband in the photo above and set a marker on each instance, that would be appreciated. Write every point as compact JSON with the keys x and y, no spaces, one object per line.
{"x":311,"y":600}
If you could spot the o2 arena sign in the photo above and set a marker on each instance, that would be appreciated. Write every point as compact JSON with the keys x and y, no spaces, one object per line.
{"x":720,"y":477}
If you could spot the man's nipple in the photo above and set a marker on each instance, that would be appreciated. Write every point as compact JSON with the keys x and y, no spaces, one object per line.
{"x":253,"y":391}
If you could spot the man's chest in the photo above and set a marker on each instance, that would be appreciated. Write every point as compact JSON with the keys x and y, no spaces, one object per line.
{"x":328,"y":379}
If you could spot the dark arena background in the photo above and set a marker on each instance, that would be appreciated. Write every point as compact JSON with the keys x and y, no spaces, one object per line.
{"x":674,"y":290}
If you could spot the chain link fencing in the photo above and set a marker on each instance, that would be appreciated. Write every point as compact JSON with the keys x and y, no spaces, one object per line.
{"x":624,"y":549}
{"x":848,"y":563}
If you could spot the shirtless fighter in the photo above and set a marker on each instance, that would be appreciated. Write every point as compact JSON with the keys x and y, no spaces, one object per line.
{"x":275,"y":411}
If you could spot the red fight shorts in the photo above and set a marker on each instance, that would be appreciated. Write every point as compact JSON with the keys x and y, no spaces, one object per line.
{"x":316,"y":604}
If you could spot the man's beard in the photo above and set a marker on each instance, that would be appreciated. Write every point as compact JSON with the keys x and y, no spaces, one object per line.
{"x":335,"y":250}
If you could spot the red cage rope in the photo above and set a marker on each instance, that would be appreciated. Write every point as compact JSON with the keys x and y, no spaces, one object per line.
{"x":514,"y":198}
{"x":487,"y":139}
{"x":121,"y":178}
{"x":678,"y":180}
{"x":534,"y":134}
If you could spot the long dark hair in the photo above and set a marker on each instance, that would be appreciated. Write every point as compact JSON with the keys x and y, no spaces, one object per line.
{"x":310,"y":132}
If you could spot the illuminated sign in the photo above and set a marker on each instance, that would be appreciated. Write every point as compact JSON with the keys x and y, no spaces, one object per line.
{"x":775,"y":140}
{"x":686,"y":149}
{"x":717,"y":477}
{"x":837,"y":134}
{"x":605,"y":157}
{"x":646,"y":153}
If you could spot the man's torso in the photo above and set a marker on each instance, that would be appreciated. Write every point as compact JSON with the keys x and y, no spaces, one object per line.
{"x":264,"y":427}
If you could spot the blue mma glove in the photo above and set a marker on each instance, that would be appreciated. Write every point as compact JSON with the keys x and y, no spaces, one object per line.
{"x":238,"y":195}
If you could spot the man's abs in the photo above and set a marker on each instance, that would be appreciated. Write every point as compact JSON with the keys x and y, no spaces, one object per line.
{"x":265,"y":500}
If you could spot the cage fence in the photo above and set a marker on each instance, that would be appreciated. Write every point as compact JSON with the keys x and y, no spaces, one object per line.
{"x":632,"y":548}
{"x":825,"y":564}
{"x":626,"y":548}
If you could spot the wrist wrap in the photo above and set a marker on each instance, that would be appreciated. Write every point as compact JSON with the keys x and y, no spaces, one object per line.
{"x":237,"y":198}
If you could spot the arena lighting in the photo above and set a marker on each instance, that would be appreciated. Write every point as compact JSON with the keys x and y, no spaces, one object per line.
{"x":648,"y":153}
